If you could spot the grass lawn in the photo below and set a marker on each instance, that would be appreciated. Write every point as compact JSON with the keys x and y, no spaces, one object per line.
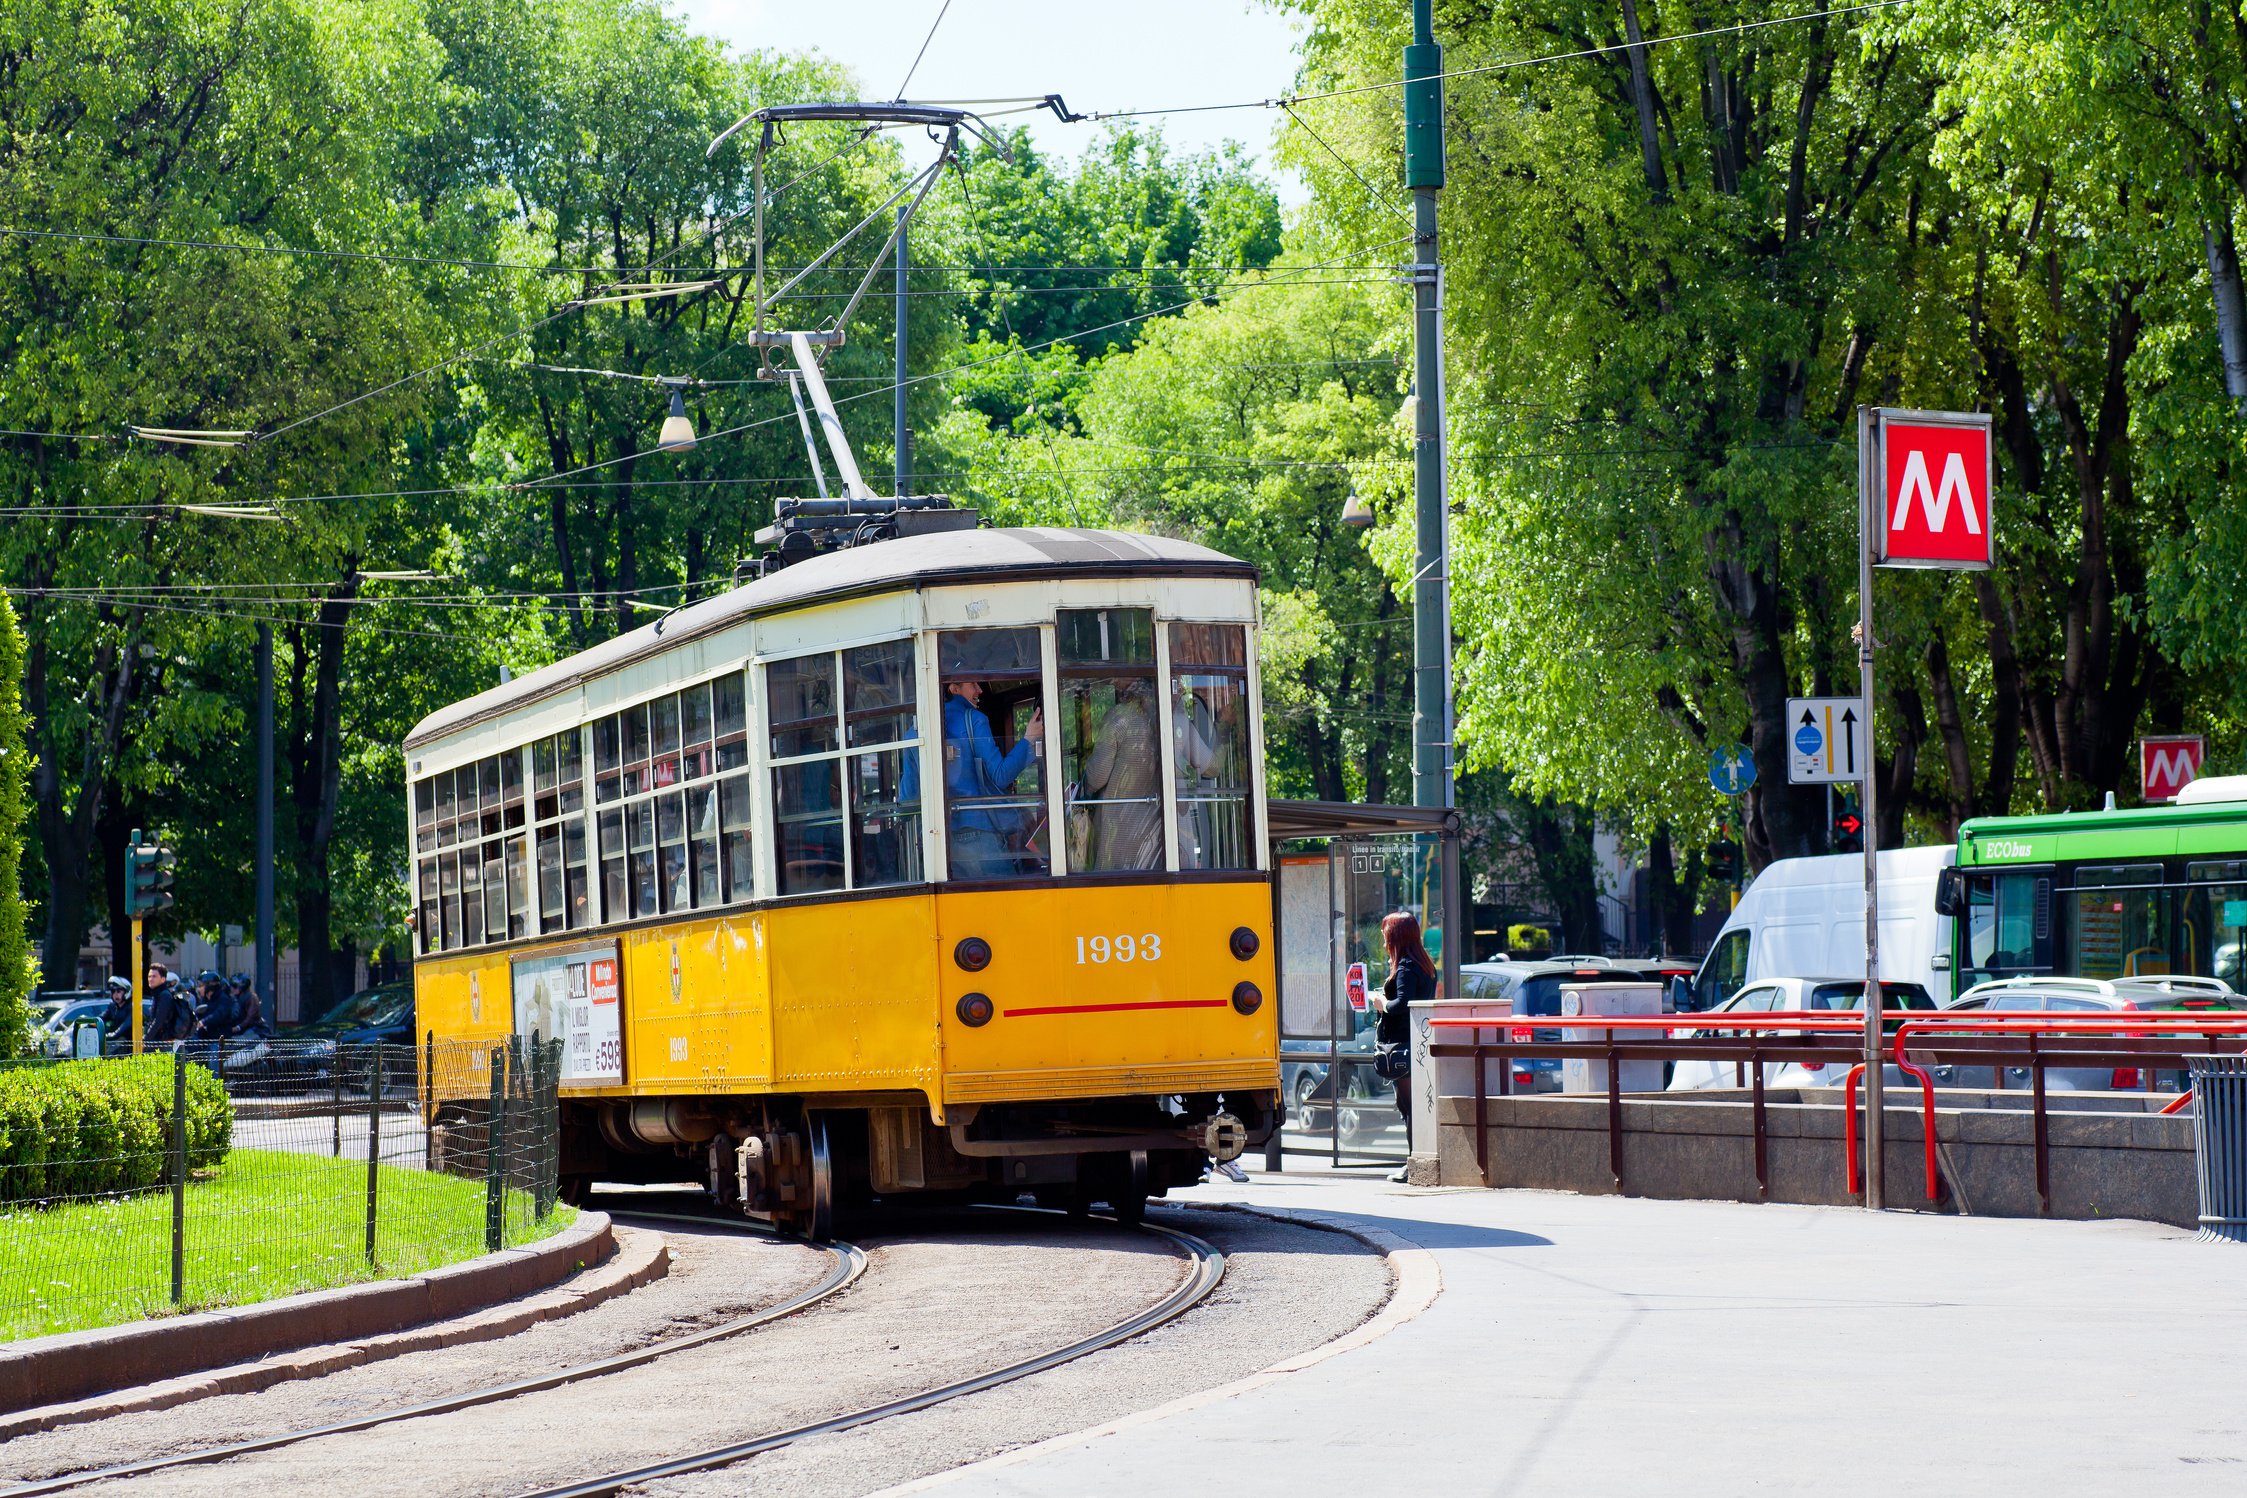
{"x":265,"y":1223}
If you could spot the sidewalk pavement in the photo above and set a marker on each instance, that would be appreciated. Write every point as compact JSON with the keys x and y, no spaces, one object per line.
{"x":1606,"y":1345}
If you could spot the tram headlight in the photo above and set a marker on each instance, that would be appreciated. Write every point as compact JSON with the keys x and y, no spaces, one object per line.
{"x":973,"y":954}
{"x":974,"y":1009}
{"x":1247,"y":997}
{"x":1244,"y":943}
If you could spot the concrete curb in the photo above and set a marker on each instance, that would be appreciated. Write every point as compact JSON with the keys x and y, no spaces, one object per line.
{"x":52,"y":1381}
{"x":1416,"y":1284}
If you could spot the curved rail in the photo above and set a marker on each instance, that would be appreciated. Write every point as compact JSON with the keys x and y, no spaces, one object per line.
{"x":1208,"y":1264}
{"x":846,"y":1263}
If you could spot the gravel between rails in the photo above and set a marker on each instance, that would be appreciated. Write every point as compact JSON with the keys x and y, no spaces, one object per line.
{"x":929,"y":1310}
{"x":1287,"y":1288}
{"x":714,"y":1276}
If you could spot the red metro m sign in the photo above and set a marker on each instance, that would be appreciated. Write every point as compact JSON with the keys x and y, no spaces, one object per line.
{"x":1931,"y":475}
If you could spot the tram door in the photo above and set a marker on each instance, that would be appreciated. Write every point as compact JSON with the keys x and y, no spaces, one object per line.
{"x":1338,"y":1106}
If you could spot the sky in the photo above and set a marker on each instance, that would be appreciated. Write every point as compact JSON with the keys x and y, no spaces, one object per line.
{"x":1153,"y":54}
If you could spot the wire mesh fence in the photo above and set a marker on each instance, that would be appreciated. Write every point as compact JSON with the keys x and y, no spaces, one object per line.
{"x":228,"y":1172}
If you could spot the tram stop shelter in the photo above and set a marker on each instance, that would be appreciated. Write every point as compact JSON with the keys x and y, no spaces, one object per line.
{"x":1337,"y":868}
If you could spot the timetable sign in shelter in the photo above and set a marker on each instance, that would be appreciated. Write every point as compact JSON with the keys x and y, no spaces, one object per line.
{"x":2166,"y":765}
{"x":1933,"y":479}
{"x":1825,"y":740}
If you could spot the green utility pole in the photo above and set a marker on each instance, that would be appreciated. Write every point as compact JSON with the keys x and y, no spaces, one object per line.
{"x":1431,"y":583}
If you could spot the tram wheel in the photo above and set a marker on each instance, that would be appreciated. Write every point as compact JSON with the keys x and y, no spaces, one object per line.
{"x":818,"y":1221}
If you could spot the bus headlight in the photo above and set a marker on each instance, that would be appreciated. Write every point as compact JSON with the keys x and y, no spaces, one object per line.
{"x":973,"y":954}
{"x":974,"y":1009}
{"x":1247,"y":997}
{"x":1244,"y":943}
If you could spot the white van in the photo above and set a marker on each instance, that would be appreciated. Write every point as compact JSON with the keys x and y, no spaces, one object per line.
{"x":1806,"y":916}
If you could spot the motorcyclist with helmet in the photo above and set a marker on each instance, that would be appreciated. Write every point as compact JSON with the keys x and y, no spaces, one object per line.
{"x":214,"y":1009}
{"x":249,"y":1012}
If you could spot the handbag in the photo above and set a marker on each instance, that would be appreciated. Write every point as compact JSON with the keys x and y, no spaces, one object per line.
{"x":1392,"y":1063}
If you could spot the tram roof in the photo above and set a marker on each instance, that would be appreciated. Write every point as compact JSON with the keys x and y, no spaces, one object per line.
{"x":947,"y":557}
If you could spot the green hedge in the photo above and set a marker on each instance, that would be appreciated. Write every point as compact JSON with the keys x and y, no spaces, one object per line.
{"x":83,"y":1128}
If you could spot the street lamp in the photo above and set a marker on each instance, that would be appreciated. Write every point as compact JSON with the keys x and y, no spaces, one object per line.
{"x":678,"y":432}
{"x":1356,"y":513}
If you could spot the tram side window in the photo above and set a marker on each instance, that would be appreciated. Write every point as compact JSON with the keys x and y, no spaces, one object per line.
{"x":460,"y":818}
{"x":668,"y":777}
{"x":1111,"y":748}
{"x":2214,"y":921}
{"x":565,"y":895}
{"x":881,"y":715}
{"x":2119,"y":921}
{"x":1210,"y":745}
{"x":846,"y":780}
{"x":993,"y":687}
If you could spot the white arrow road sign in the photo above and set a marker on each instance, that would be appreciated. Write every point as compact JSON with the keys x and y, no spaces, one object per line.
{"x":1825,"y":740}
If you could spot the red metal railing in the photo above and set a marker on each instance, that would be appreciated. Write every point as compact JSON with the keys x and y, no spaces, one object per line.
{"x":2115,"y":1039}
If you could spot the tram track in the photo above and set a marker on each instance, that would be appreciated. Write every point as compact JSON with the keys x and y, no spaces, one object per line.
{"x":846,"y":1263}
{"x":1206,"y":1269}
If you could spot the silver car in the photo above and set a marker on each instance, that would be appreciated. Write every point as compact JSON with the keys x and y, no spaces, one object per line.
{"x":2056,"y":996}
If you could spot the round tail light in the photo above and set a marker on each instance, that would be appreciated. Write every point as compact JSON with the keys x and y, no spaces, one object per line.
{"x":973,"y":954}
{"x":1244,"y":943}
{"x":1247,"y":997}
{"x":974,"y":1009}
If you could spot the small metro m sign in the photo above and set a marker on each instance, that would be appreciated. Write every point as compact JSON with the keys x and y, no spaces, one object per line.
{"x":2167,"y":765}
{"x":1932,"y":483}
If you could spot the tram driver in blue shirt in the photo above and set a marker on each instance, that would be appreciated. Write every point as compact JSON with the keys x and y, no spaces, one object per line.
{"x":976,"y":773}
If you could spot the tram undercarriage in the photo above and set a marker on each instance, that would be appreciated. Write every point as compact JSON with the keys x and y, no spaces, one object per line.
{"x":793,"y":1161}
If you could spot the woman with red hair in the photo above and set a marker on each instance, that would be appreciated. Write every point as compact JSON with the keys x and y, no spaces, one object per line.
{"x":1411,"y":980}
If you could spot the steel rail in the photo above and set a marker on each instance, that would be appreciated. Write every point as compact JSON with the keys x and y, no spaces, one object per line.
{"x":1208,"y":1267}
{"x":847,"y":1263}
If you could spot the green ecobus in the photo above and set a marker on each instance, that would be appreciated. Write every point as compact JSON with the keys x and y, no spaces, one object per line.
{"x":2105,"y":894}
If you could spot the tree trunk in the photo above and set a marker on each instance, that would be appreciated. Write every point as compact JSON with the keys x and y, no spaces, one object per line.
{"x":2231,"y":307}
{"x":316,"y":773}
{"x":1642,"y":98}
{"x":68,"y":808}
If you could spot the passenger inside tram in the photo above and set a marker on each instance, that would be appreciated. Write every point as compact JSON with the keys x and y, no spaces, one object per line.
{"x":1123,"y":781}
{"x":987,"y":829}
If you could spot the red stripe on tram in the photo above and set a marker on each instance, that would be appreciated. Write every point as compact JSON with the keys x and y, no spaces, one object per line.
{"x":1112,"y":1008}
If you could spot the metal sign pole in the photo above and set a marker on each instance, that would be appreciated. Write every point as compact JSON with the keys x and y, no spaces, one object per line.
{"x":1867,"y":517}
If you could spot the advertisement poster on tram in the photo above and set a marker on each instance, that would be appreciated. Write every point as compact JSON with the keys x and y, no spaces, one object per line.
{"x":574,"y":996}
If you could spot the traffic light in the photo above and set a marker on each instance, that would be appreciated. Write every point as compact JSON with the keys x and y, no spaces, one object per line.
{"x":148,"y":877}
{"x":1848,"y":834}
{"x":1724,"y":862}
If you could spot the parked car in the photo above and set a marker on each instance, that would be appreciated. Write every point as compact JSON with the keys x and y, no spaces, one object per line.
{"x":1534,"y":988}
{"x":2059,"y":995}
{"x":1794,"y":995}
{"x":55,"y":1015}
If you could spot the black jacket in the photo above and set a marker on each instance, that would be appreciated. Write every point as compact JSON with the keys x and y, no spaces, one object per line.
{"x":1406,"y":985}
{"x":171,"y":1015}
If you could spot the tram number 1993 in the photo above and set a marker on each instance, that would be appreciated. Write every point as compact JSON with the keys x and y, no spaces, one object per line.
{"x":1125,"y":948}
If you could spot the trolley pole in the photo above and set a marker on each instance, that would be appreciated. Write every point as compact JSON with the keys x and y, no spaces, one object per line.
{"x":904,"y":437}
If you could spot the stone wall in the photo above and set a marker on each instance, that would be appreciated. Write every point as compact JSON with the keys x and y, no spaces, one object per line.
{"x":2110,"y":1156}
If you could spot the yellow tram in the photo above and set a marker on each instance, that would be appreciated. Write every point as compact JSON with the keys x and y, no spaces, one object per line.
{"x":932,"y":864}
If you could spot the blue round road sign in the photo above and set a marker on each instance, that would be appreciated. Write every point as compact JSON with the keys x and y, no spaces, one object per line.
{"x":1808,"y":739}
{"x":1731,"y":768}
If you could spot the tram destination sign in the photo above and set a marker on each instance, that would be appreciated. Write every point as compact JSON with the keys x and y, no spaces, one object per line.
{"x":1933,"y":483}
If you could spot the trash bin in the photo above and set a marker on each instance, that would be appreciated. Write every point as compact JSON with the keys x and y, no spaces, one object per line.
{"x":2219,"y":1141}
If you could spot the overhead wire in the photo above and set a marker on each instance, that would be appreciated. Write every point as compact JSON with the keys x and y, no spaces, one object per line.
{"x":1283,"y":100}
{"x":942,"y":12}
